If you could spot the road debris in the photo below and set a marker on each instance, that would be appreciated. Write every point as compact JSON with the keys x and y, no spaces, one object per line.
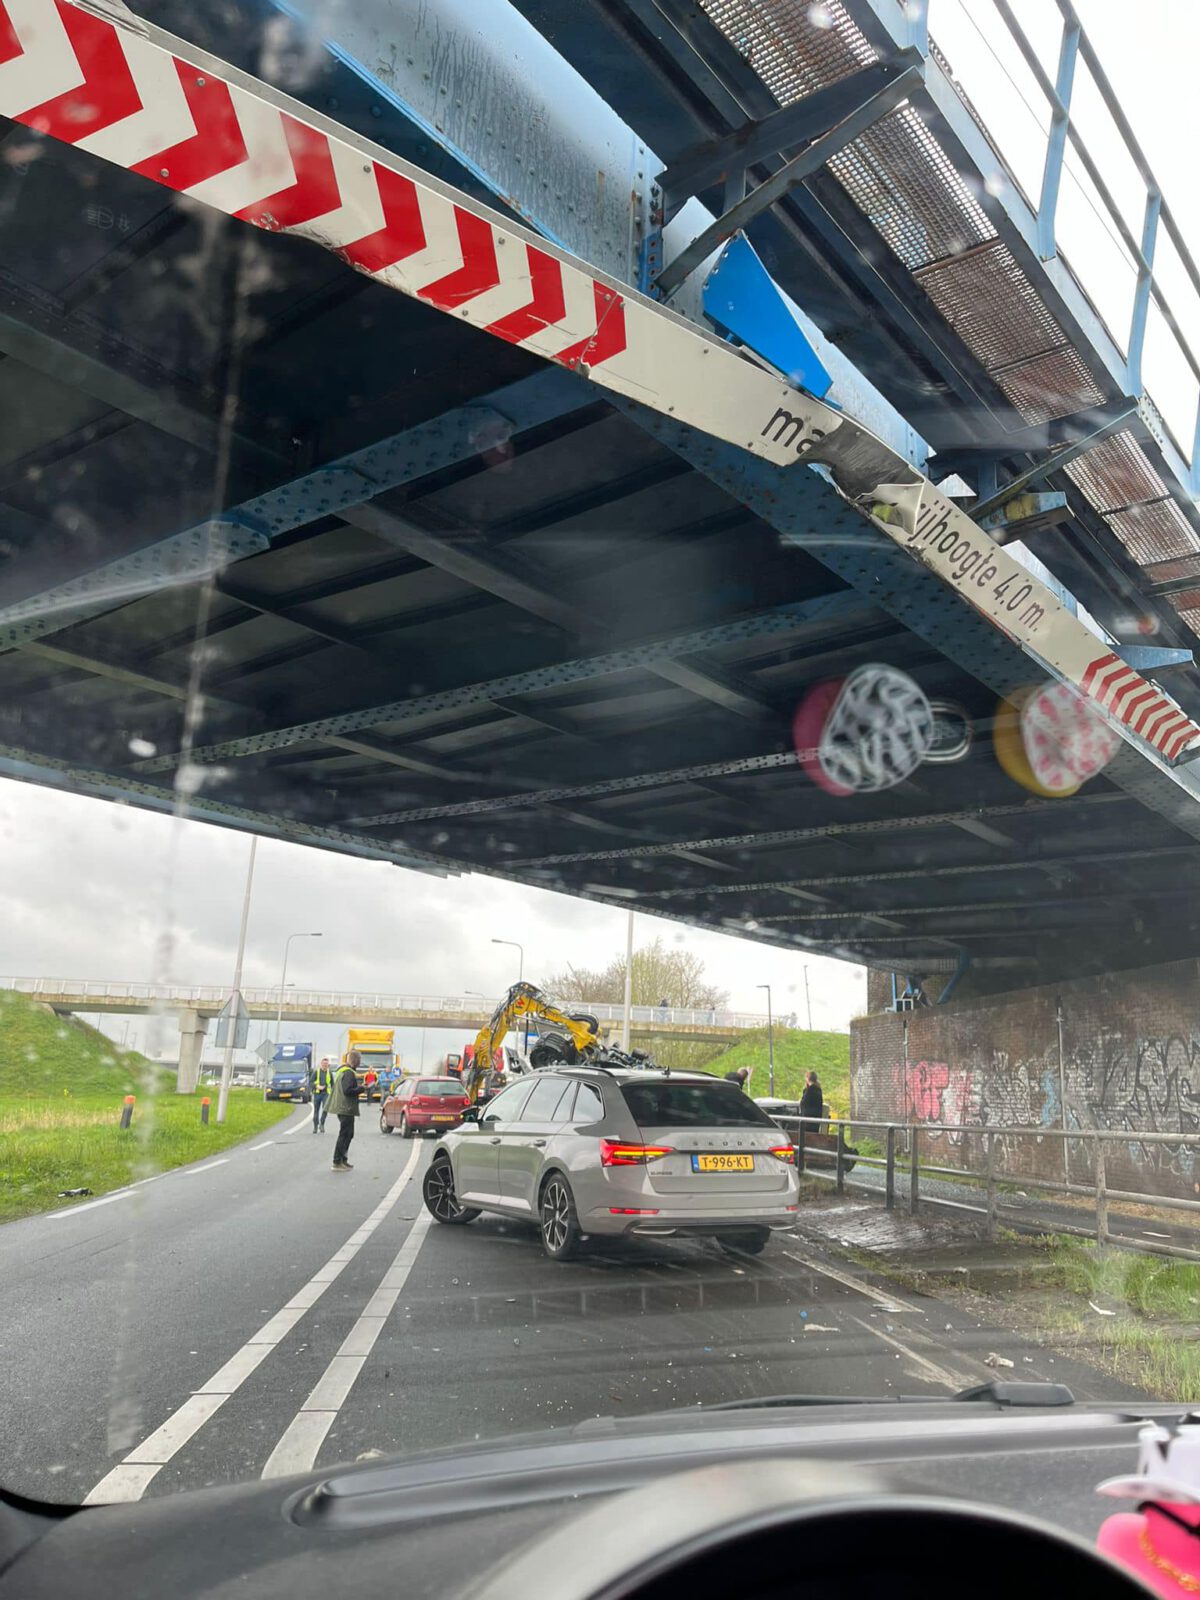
{"x":993,"y":1360}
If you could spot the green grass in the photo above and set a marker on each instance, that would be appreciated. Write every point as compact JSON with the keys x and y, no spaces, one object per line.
{"x":1151,"y":1338}
{"x":796,"y":1052}
{"x":48,"y":1145}
{"x":42,"y":1054}
{"x":62,"y":1085}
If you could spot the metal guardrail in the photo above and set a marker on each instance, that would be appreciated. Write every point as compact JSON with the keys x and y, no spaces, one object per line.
{"x":902,"y":1142}
{"x":330,"y":999}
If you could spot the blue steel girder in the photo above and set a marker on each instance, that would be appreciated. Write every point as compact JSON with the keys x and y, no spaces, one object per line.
{"x":557,"y":157}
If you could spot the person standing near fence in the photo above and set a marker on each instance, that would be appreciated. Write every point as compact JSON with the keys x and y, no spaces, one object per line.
{"x":343,"y":1102}
{"x":812,"y":1101}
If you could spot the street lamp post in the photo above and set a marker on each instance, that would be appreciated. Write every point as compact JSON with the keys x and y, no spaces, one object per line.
{"x":283,"y":983}
{"x":770,"y":1041}
{"x":235,"y":991}
{"x":520,"y":978}
{"x":627,"y":1011}
{"x":807,"y":1000}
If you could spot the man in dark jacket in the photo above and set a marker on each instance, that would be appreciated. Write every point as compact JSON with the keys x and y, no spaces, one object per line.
{"x":741,"y":1077}
{"x":812,"y":1101}
{"x":343,"y":1102}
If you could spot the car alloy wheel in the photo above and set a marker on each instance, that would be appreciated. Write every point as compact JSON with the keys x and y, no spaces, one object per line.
{"x":384,"y":1125}
{"x":440,"y":1197}
{"x":405,"y":1130}
{"x":559,"y":1224}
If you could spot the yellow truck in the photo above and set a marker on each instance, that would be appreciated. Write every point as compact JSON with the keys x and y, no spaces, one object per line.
{"x":377,"y":1047}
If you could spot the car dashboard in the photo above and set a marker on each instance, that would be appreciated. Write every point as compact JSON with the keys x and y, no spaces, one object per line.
{"x":821,"y":1500}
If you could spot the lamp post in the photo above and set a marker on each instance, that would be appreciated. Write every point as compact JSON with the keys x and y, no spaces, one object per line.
{"x":770,"y":1041}
{"x":807,"y":1000}
{"x":627,"y":1014}
{"x":519,"y":947}
{"x":235,"y":991}
{"x":283,"y":983}
{"x":520,"y":978}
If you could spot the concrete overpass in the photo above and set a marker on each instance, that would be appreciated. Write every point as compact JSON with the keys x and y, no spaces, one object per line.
{"x":196,"y":1006}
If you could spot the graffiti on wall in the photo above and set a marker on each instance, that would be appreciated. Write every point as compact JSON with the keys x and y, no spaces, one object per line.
{"x":1143,"y":1085}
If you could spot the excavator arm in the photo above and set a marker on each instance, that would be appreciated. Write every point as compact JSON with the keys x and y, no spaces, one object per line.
{"x":521,"y":1002}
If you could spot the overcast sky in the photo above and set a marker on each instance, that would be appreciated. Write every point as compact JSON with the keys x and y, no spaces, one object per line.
{"x":90,"y":889}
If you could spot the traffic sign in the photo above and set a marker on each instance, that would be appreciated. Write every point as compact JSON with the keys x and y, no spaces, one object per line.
{"x":265,"y":1050}
{"x":233,"y":1024}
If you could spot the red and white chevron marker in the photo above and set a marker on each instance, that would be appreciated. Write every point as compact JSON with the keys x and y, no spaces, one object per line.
{"x":92,"y":74}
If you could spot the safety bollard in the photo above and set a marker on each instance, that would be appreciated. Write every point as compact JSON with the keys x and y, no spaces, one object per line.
{"x":799,"y":1147}
{"x":204,"y":1111}
{"x":127,"y":1111}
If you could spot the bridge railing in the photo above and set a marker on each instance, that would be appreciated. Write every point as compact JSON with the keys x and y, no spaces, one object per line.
{"x":467,"y":1006}
{"x":912,"y":1153}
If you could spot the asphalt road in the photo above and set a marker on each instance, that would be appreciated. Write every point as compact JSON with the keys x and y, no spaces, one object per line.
{"x":259,"y":1313}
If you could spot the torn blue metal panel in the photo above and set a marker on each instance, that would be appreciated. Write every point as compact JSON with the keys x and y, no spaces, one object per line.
{"x":742,"y":301}
{"x":546,"y":144}
{"x":1154,"y":658}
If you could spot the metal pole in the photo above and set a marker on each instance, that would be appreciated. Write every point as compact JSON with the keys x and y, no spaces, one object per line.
{"x":890,"y":1179}
{"x":841,"y":1157}
{"x":1101,"y":1197}
{"x":520,"y":979}
{"x":914,"y":1176}
{"x":807,"y":1001}
{"x":991,"y":1184}
{"x":227,"y":1062}
{"x":770,"y":1039}
{"x":1062,"y":1090}
{"x":628,"y":1012}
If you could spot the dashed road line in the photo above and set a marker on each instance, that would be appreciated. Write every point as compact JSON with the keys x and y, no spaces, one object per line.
{"x":130,"y":1479}
{"x":305,"y":1434}
{"x":194,"y":1172}
{"x":262,"y":1146}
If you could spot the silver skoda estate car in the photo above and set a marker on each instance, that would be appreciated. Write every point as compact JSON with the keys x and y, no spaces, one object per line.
{"x":586,"y":1150}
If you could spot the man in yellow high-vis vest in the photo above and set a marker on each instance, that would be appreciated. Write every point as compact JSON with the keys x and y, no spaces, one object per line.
{"x":322,"y":1088}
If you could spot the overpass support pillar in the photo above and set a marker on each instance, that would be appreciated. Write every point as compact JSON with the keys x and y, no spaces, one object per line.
{"x":192,"y":1028}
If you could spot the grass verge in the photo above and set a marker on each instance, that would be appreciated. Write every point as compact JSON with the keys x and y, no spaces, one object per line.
{"x":796,"y":1052}
{"x":50,"y":1145}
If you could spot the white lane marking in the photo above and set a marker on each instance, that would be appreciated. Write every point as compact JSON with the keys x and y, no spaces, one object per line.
{"x":130,"y":1479}
{"x":295,"y":1127}
{"x":193,"y":1172}
{"x":924,"y":1367}
{"x":305,"y":1434}
{"x":262,"y":1146}
{"x":73,"y":1211}
{"x":953,"y":1381}
{"x":887,"y":1301}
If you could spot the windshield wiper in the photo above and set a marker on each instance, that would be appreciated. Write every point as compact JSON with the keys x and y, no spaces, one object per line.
{"x":998,"y":1391}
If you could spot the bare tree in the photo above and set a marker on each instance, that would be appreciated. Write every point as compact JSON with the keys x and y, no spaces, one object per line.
{"x":659,"y":973}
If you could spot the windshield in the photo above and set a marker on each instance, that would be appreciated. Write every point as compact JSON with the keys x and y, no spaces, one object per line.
{"x":645,"y":554}
{"x":692,"y":1105}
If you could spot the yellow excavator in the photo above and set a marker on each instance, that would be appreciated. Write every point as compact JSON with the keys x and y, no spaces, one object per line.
{"x":563,"y":1039}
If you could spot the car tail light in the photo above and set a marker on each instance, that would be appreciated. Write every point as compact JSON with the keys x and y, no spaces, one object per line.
{"x":619,"y":1153}
{"x":632,"y":1211}
{"x":784,"y":1152}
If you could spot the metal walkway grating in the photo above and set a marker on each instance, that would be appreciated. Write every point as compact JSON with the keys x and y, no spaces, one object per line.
{"x":904,"y":182}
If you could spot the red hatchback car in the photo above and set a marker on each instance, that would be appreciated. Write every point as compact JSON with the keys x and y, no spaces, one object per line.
{"x":421,"y":1104}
